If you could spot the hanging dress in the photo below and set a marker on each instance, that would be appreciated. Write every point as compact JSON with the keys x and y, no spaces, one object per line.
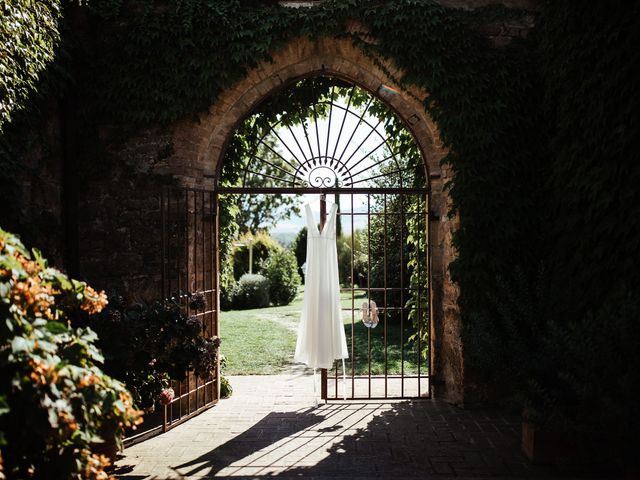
{"x":321,"y":337}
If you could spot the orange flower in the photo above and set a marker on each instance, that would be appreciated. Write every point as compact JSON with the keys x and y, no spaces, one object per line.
{"x":94,"y":301}
{"x":130,"y":412}
{"x":89,"y":380}
{"x":31,"y":267}
{"x":95,"y":467}
{"x":42,"y":374}
{"x":30,"y":296}
{"x":69,"y":421}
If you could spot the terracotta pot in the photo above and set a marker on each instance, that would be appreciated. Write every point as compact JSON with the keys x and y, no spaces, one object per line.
{"x":549,"y":447}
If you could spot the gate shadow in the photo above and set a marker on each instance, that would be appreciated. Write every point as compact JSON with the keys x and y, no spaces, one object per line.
{"x":273,"y":428}
{"x":352,"y":441}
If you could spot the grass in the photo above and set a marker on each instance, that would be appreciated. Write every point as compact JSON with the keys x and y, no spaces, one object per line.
{"x":262,"y":341}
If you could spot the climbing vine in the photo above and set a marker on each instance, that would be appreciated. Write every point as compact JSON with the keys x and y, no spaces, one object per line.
{"x":29,"y":36}
{"x":483,"y":98}
{"x":148,"y":62}
{"x":497,"y":108}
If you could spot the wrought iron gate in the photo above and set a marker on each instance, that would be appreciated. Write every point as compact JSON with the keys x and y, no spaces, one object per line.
{"x":398,"y":282}
{"x":401,"y":288}
{"x":189,"y":278}
{"x":325,"y":136}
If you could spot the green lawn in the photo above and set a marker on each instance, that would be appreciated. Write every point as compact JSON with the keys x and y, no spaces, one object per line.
{"x":262,"y":341}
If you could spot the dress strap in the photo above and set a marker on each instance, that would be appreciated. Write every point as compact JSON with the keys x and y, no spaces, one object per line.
{"x":311,"y":224}
{"x":331,"y":219}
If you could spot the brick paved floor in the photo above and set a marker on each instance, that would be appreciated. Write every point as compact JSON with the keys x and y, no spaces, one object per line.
{"x":270,"y":428}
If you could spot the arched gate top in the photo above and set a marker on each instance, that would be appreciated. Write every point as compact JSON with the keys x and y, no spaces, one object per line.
{"x":322,"y":133}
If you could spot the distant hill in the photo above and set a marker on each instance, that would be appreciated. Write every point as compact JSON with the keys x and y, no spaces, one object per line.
{"x":285,"y":238}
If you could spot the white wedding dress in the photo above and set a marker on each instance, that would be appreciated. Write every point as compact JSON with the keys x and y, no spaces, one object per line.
{"x":321,"y":337}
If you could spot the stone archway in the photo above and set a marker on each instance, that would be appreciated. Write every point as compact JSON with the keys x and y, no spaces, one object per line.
{"x":200,"y":145}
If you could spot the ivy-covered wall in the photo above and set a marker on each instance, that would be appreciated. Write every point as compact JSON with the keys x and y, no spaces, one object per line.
{"x":130,"y":70}
{"x":30,"y":122}
{"x":542,"y":138}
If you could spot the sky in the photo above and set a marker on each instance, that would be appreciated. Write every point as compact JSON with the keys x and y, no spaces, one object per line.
{"x":293,"y":225}
{"x":344,"y":137}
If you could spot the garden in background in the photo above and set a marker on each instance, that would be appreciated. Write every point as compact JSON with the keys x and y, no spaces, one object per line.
{"x":261,"y":304}
{"x":262,"y":341}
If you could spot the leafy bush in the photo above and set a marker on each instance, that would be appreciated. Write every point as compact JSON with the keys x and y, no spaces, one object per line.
{"x":263,"y":246}
{"x":360,"y":259}
{"x":508,"y":342}
{"x":253,"y":292}
{"x":161,"y":343}
{"x":228,"y":289}
{"x":226,"y":390}
{"x":57,"y":405}
{"x":227,"y":296}
{"x":570,"y":394}
{"x":281,"y":270}
{"x":555,"y":365}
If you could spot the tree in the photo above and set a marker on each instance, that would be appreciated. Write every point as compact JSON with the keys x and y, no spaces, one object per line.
{"x":300,"y":249}
{"x":261,"y":212}
{"x":253,"y":164}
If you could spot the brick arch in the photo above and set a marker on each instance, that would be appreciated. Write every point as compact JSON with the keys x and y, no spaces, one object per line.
{"x":200,"y":146}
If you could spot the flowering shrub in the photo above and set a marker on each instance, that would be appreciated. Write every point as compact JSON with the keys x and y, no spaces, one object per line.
{"x":56,"y":405}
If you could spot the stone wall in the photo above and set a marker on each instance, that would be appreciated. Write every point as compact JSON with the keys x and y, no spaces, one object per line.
{"x":119,"y":211}
{"x":36,"y":212}
{"x":200,"y":144}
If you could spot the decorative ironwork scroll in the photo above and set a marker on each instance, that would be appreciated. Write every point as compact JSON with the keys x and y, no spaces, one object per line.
{"x":338,"y":137}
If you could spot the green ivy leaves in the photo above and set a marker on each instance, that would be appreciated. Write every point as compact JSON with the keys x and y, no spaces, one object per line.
{"x":29,"y":35}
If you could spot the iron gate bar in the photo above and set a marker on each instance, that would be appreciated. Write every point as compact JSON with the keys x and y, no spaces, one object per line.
{"x":418,"y":310}
{"x":384,"y":249}
{"x":356,"y":127}
{"x":187,"y":226}
{"x":369,"y":285}
{"x":215,"y":284}
{"x":353,"y":308}
{"x":187,"y":279}
{"x":428,"y":292}
{"x":323,"y":219}
{"x":274,"y":151}
{"x":306,"y":136}
{"x":335,"y":149}
{"x":314,"y":190}
{"x":388,"y":157}
{"x":203,"y":269}
{"x":402,"y":297}
{"x":326,"y":149}
{"x":287,"y":146}
{"x":374,"y":129}
{"x":298,"y":144}
{"x":315,"y":121}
